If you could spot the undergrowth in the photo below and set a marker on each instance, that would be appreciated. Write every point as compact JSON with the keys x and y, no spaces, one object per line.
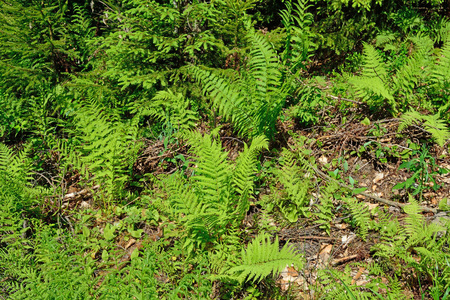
{"x":220,"y":149}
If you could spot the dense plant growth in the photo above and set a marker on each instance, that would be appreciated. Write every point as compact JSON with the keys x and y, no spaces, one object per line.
{"x":190,"y":149}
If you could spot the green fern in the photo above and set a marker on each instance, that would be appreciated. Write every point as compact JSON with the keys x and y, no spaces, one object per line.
{"x":216,"y":196}
{"x":252,"y":101}
{"x":104,"y":150}
{"x":212,"y":171}
{"x":298,"y":44}
{"x":168,"y":107}
{"x":246,"y":165}
{"x":372,"y":85}
{"x":431,"y":123}
{"x":361,"y":215}
{"x":440,"y":73}
{"x":375,"y":86}
{"x":325,"y":213}
{"x":262,"y":258}
{"x":296,"y":185}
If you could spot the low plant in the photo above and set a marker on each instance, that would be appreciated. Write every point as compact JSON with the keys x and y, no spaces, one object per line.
{"x":418,"y":245}
{"x":424,"y":170}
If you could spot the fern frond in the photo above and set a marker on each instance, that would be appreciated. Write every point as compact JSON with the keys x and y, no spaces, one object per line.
{"x":296,"y":185}
{"x":325,"y":214}
{"x":203,"y":220}
{"x":440,"y":73}
{"x":414,"y":219}
{"x":385,"y":39}
{"x":438,"y":129}
{"x":170,"y":108}
{"x":367,"y":87}
{"x":373,"y":64}
{"x":372,"y":85}
{"x":409,"y":118}
{"x":106,"y":148}
{"x":227,"y":98}
{"x":431,"y":123}
{"x":6,"y":156}
{"x":246,"y":165}
{"x":361,"y":215}
{"x":416,"y":69}
{"x":261,"y":258}
{"x":253,"y":99}
{"x":264,"y":66}
{"x":212,"y":172}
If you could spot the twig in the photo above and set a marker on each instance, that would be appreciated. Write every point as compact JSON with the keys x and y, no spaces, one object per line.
{"x":358,"y":275}
{"x":315,"y":237}
{"x":344,"y":259}
{"x":232,"y":138}
{"x":82,"y":192}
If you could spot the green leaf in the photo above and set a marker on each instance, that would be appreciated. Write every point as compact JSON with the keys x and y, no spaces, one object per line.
{"x":399,"y":186}
{"x":359,"y":190}
{"x":105,"y":255}
{"x":366,"y":121}
{"x":109,"y":232}
{"x":351,"y":180}
{"x":135,"y":253}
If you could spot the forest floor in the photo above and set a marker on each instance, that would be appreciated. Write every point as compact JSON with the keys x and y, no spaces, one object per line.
{"x":368,"y":152}
{"x":371,"y":155}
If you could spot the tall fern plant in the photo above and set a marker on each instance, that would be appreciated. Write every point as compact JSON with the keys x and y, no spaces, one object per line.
{"x":217,"y":194}
{"x":298,"y":42}
{"x":103,"y":149}
{"x":252,"y":99}
{"x":211,"y":204}
{"x":422,"y":70}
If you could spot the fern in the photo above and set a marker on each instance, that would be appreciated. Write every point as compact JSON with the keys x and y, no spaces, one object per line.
{"x":373,"y":79}
{"x":261,"y":258}
{"x":253,"y":101}
{"x":216,"y":196}
{"x":440,"y":73}
{"x":431,"y":123}
{"x":105,"y":149}
{"x":296,"y":185}
{"x":374,"y":84}
{"x":361,"y":215}
{"x":203,"y":221}
{"x":298,"y":45}
{"x":246,"y":165}
{"x":170,"y":108}
{"x":212,"y":171}
{"x":338,"y":285}
{"x":325,"y":214}
{"x":430,"y":254}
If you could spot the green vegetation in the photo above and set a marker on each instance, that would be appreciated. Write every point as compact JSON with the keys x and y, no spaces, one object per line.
{"x":224,"y":149}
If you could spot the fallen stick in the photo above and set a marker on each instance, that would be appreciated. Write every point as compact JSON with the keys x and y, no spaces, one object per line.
{"x":379,"y":199}
{"x":82,"y":192}
{"x":344,"y":259}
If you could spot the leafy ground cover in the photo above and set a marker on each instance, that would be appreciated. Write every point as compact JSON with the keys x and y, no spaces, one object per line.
{"x":224,"y":150}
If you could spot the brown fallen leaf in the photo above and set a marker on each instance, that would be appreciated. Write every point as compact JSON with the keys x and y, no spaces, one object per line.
{"x":130,"y":242}
{"x":342,"y":226}
{"x":325,"y":254}
{"x":360,"y":271}
{"x":378,"y":177}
